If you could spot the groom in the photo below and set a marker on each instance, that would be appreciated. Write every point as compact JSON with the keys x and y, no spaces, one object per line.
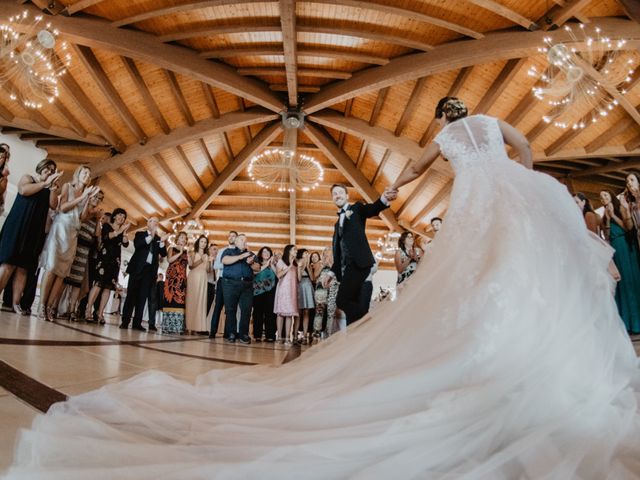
{"x":352,"y":257}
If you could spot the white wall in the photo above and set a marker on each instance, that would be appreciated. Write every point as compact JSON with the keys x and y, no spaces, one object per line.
{"x":24,"y":158}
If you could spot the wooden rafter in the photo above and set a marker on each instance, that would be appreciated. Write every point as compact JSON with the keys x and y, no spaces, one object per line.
{"x":179,"y":97}
{"x":179,"y":136}
{"x":381,"y":165}
{"x":185,"y":160}
{"x":266,"y":136}
{"x":506,"y":12}
{"x":290,"y":42}
{"x":417,"y":190}
{"x":347,"y":113}
{"x":81,"y":5}
{"x":156,"y":186}
{"x":410,"y":108}
{"x":175,"y":181}
{"x":633,"y":162}
{"x":142,"y":88}
{"x":433,"y":203}
{"x":303,"y":72}
{"x":511,"y":68}
{"x":124,"y":183}
{"x":377,"y":108}
{"x":491,"y":48}
{"x":92,"y":65}
{"x":146,"y":47}
{"x":342,"y":161}
{"x":558,"y":15}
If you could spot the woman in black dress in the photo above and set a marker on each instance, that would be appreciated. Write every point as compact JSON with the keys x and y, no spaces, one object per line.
{"x":23,"y":234}
{"x":114,"y":237}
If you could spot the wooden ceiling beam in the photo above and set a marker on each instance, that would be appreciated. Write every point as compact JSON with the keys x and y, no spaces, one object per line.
{"x":410,"y":108}
{"x":161,"y":163}
{"x":179,"y":97}
{"x":362,"y":153}
{"x":303,"y":72}
{"x":610,"y":153}
{"x":377,"y":108}
{"x":289,"y":43}
{"x":558,"y":15}
{"x":85,"y":104}
{"x":405,"y":13}
{"x":454,"y":55}
{"x":347,"y":113}
{"x":381,"y":165}
{"x":276,"y":50}
{"x":8,"y":119}
{"x":124,"y":183}
{"x":634,"y":162}
{"x":92,"y":65}
{"x":122,"y":198}
{"x":147,"y":98}
{"x":181,"y":135}
{"x":280,"y":87}
{"x":266,"y":136}
{"x":616,"y":129}
{"x":74,"y":123}
{"x":159,"y":190}
{"x":342,"y":161}
{"x":506,"y":12}
{"x":185,"y":160}
{"x":508,"y":72}
{"x":433,"y":203}
{"x":36,"y":115}
{"x":95,"y":33}
{"x":210,"y":162}
{"x":80,"y":5}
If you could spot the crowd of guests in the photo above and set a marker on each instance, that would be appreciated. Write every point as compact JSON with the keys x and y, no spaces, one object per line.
{"x":411,"y":250}
{"x":620,"y":226}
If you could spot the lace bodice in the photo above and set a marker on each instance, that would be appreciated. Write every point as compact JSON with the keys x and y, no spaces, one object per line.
{"x":474,"y":141}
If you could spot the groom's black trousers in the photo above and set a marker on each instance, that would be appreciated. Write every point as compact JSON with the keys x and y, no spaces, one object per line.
{"x":349,"y":294}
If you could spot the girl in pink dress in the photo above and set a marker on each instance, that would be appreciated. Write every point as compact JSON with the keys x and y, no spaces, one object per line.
{"x":286,"y":302}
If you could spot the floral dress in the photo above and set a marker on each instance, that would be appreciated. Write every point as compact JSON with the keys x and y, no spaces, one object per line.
{"x":410,"y":270}
{"x":175,"y":295}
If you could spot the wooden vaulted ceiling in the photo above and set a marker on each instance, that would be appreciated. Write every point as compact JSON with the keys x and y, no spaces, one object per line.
{"x":168,"y":99}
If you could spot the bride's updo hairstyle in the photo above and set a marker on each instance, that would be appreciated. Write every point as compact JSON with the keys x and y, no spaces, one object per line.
{"x":452,"y":108}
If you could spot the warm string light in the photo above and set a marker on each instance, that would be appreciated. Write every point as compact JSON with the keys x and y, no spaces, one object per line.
{"x":566,"y":84}
{"x":387,"y":246}
{"x":29,"y":64}
{"x":193,"y":229}
{"x":285,"y":171}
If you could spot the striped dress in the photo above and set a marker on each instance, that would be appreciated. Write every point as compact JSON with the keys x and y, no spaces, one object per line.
{"x":86,"y":241}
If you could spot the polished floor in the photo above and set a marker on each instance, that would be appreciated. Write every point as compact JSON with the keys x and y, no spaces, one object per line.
{"x":41,"y":363}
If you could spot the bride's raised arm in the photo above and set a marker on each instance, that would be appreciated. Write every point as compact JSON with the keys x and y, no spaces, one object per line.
{"x":417,"y":168}
{"x":512,"y":136}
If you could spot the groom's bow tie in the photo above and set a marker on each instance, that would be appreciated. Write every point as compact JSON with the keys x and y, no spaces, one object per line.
{"x":341,"y":211}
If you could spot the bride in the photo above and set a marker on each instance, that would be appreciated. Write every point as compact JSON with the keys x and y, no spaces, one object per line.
{"x":504,"y":358}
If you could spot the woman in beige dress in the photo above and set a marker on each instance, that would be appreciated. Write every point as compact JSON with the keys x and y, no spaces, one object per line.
{"x":196,"y":302}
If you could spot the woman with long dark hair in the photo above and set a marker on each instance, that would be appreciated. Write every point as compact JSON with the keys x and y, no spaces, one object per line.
{"x":626,"y":257}
{"x":407,"y":257}
{"x":591,"y":218}
{"x":264,"y":293}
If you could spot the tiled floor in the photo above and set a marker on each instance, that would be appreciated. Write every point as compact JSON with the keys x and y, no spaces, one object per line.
{"x":63,"y":358}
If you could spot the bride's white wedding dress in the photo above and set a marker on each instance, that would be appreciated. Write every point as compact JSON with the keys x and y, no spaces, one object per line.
{"x":504,"y":358}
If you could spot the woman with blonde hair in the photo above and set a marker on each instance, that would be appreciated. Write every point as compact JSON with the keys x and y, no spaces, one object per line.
{"x":60,"y":247}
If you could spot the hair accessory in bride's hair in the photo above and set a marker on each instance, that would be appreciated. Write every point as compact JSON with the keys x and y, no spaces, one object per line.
{"x":452,"y":108}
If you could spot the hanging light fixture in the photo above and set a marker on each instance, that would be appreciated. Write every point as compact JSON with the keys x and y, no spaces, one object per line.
{"x":29,"y":64}
{"x":193,"y":229}
{"x":579,"y":79}
{"x":286,"y":169}
{"x":387,"y":246}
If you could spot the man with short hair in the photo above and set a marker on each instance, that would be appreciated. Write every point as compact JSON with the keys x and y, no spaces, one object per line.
{"x":351,"y":252}
{"x":436,"y":224}
{"x":143,"y":270}
{"x":219,"y":298}
{"x":237,"y":287}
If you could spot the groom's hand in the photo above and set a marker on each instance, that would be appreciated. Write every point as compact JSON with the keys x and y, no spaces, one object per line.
{"x":390,"y":194}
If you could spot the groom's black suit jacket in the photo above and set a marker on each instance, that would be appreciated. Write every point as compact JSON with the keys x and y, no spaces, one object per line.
{"x":139,"y":258}
{"x":353,"y":239}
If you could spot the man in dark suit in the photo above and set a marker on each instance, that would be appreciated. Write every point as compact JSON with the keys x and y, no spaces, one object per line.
{"x":352,"y":257}
{"x":142,"y":270}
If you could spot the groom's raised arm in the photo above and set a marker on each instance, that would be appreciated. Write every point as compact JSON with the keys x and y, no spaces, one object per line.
{"x":372,"y":209}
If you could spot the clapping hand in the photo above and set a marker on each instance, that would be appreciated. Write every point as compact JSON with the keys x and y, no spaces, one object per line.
{"x":608,"y":210}
{"x":51,"y":179}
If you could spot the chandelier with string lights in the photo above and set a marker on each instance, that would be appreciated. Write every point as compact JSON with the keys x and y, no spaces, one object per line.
{"x":387,"y":247}
{"x":193,"y":229}
{"x":286,"y":169}
{"x":581,"y":74}
{"x":29,"y":63}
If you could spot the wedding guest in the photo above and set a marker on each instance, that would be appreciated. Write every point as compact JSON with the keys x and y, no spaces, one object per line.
{"x":196,"y":302}
{"x":591,"y":218}
{"x":88,"y":235}
{"x":626,"y":258}
{"x":143,"y":270}
{"x":237,"y":282}
{"x":285,"y":305}
{"x":631,"y":199}
{"x":322,"y":294}
{"x":219,"y":297}
{"x":315,"y":267}
{"x":306,"y":303}
{"x":175,"y":287}
{"x":407,"y":257}
{"x":212,"y":250}
{"x":436,"y":225}
{"x":23,"y":233}
{"x":5,"y":154}
{"x":264,"y":291}
{"x":60,"y":247}
{"x":114,"y":237}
